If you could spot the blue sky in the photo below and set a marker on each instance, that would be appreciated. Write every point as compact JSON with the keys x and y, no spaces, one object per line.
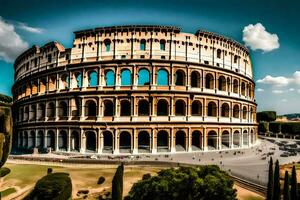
{"x":275,"y":71}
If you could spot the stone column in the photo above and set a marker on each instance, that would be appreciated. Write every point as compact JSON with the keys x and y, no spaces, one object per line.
{"x":205,"y":140}
{"x":56,"y":140}
{"x":100,"y":141}
{"x":82,"y":141}
{"x":154,"y":140}
{"x":116,"y":142}
{"x":135,"y":141}
{"x":69,"y":141}
{"x":172,"y":141}
{"x":189,"y":140}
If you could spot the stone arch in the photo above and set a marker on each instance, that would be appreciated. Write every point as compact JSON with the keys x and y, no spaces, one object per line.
{"x":162,"y":107}
{"x":107,"y":43}
{"x":197,"y":141}
{"x":40,"y":139}
{"x":62,"y":109}
{"x":143,"y":141}
{"x":236,"y":111}
{"x":26,"y":113}
{"x":64,"y":81}
{"x":109,"y":108}
{"x":236,"y":138}
{"x":235,"y":86}
{"x":109,"y":77}
{"x":222,"y":83}
{"x":219,"y":53}
{"x":25,"y":139}
{"x":92,"y":78}
{"x":51,"y":139}
{"x":125,"y":142}
{"x":212,"y":140}
{"x":51,"y":110}
{"x":143,"y":77}
{"x":180,"y":78}
{"x":107,"y":141}
{"x":245,"y":138}
{"x":41,"y":111}
{"x":75,"y":141}
{"x":32,"y":112}
{"x":162,"y":77}
{"x":143,"y":45}
{"x":225,"y":110}
{"x":180,"y":141}
{"x":125,"y":108}
{"x":252,"y":136}
{"x":52,"y":83}
{"x":62,"y":140}
{"x":243,"y":89}
{"x":144,"y":109}
{"x":162,"y":44}
{"x":31,"y":139}
{"x":90,"y":108}
{"x":228,"y":84}
{"x":180,"y":108}
{"x":244,"y":112}
{"x":90,"y":141}
{"x":195,"y":79}
{"x":209,"y":81}
{"x":196,"y":108}
{"x":162,"y":141}
{"x":126,"y":79}
{"x":225,"y":139}
{"x":212,"y":109}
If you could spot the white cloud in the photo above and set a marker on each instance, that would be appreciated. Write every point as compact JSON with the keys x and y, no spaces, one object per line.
{"x":296,"y":77}
{"x":256,"y":37}
{"x":30,"y":29}
{"x":260,"y":90}
{"x":291,"y":89}
{"x":11,"y":44}
{"x":278,"y":81}
{"x":284,"y":100}
{"x":277,"y":91}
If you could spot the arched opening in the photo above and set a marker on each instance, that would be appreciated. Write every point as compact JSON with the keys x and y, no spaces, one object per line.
{"x":251,"y":114}
{"x":212,"y":140}
{"x":126,"y":77}
{"x":180,"y":141}
{"x":93,"y":79}
{"x":125,"y":142}
{"x":180,"y":78}
{"x":43,"y":85}
{"x":195,"y":79}
{"x":252,"y":135}
{"x":162,"y":77}
{"x":143,"y":141}
{"x":51,"y":140}
{"x":31,"y":140}
{"x":209,"y":81}
{"x":107,"y":142}
{"x":180,"y":108}
{"x":110,"y":78}
{"x":108,"y":108}
{"x":196,"y":108}
{"x":225,"y":110}
{"x":25,"y":139}
{"x":41,"y":111}
{"x":162,"y":141}
{"x":143,"y":45}
{"x":90,"y":108}
{"x":236,"y":139}
{"x":125,"y":108}
{"x":244,"y":112}
{"x":235,"y":86}
{"x":235,"y":59}
{"x":162,"y":108}
{"x":51,"y":83}
{"x":90,"y":141}
{"x":228,"y":84}
{"x":78,"y":77}
{"x":33,"y":113}
{"x":74,"y":141}
{"x":222,"y":83}
{"x":143,"y":108}
{"x":51,"y":110}
{"x":162,"y":45}
{"x":245,"y":138}
{"x":212,"y":109}
{"x":40,"y":140}
{"x":144,"y":77}
{"x":26,"y":113}
{"x":225,"y":140}
{"x":107,"y":45}
{"x":243,"y":89}
{"x":236,"y":111}
{"x":64,"y":82}
{"x":196,"y":141}
{"x":63,"y":109}
{"x":219,"y":53}
{"x":62,"y":140}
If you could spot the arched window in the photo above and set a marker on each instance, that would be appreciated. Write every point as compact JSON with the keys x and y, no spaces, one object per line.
{"x":235,"y":86}
{"x":33,"y":112}
{"x":219,"y":53}
{"x":50,"y":139}
{"x":245,"y":138}
{"x":93,"y":79}
{"x":51,"y":110}
{"x":212,"y":140}
{"x":143,"y":141}
{"x":41,"y":111}
{"x":40,"y":140}
{"x":162,"y":77}
{"x":196,"y":108}
{"x":74,"y":141}
{"x":90,"y":142}
{"x":26,"y":113}
{"x":144,"y":77}
{"x":225,"y":110}
{"x":143,"y":45}
{"x":180,"y":141}
{"x":107,"y":45}
{"x":209,"y":81}
{"x":108,"y":108}
{"x":212,"y":109}
{"x":180,"y":108}
{"x":107,"y":141}
{"x":162,"y":141}
{"x":90,"y":108}
{"x":62,"y":140}
{"x":235,"y":59}
{"x":236,"y":111}
{"x":228,"y":84}
{"x":143,"y":108}
{"x":125,"y":141}
{"x":236,"y":139}
{"x":162,"y":45}
{"x":125,"y":77}
{"x":196,"y":140}
{"x":162,"y":108}
{"x":243,"y":89}
{"x":225,"y":139}
{"x":244,"y":112}
{"x":195,"y":79}
{"x":180,"y":78}
{"x":222,"y":83}
{"x":63,"y":109}
{"x":78,"y":79}
{"x":125,"y":108}
{"x":110,"y":78}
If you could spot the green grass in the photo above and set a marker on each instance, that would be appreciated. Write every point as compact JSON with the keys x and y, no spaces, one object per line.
{"x":7,"y":192}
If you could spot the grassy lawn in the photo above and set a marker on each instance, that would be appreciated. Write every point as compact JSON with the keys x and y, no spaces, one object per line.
{"x":7,"y":192}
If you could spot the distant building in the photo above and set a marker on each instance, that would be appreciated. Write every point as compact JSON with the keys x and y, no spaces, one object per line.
{"x":135,"y":89}
{"x":281,"y":119}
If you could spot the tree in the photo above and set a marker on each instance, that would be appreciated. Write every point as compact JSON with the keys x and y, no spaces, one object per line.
{"x":276,"y":184}
{"x":270,"y":181}
{"x":286,"y":188}
{"x":117,"y":183}
{"x":203,"y":182}
{"x":5,"y":134}
{"x":266,"y":116}
{"x":294,"y":184}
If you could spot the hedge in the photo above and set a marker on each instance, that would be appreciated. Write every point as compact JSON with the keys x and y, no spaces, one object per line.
{"x":292,"y":128}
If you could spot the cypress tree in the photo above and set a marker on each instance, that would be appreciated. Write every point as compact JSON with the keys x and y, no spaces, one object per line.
{"x":276,"y":184}
{"x":117,"y":184}
{"x":294,"y":184}
{"x":270,"y":180}
{"x":286,"y":188}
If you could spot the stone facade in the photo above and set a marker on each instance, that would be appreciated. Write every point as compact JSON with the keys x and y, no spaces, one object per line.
{"x":135,"y":89}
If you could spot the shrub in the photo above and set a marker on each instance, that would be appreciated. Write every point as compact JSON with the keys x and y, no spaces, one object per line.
{"x":49,"y":170}
{"x":275,"y":127}
{"x":101,"y":180}
{"x":146,"y":176}
{"x":5,"y":134}
{"x":266,"y":116}
{"x":263,"y":127}
{"x":4,"y":171}
{"x":117,"y":184}
{"x":55,"y":186}
{"x":203,"y":182}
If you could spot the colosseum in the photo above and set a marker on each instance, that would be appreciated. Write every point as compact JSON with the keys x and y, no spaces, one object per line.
{"x":135,"y":89}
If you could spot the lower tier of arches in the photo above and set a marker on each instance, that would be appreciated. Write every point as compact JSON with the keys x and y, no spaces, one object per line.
{"x":116,"y":140}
